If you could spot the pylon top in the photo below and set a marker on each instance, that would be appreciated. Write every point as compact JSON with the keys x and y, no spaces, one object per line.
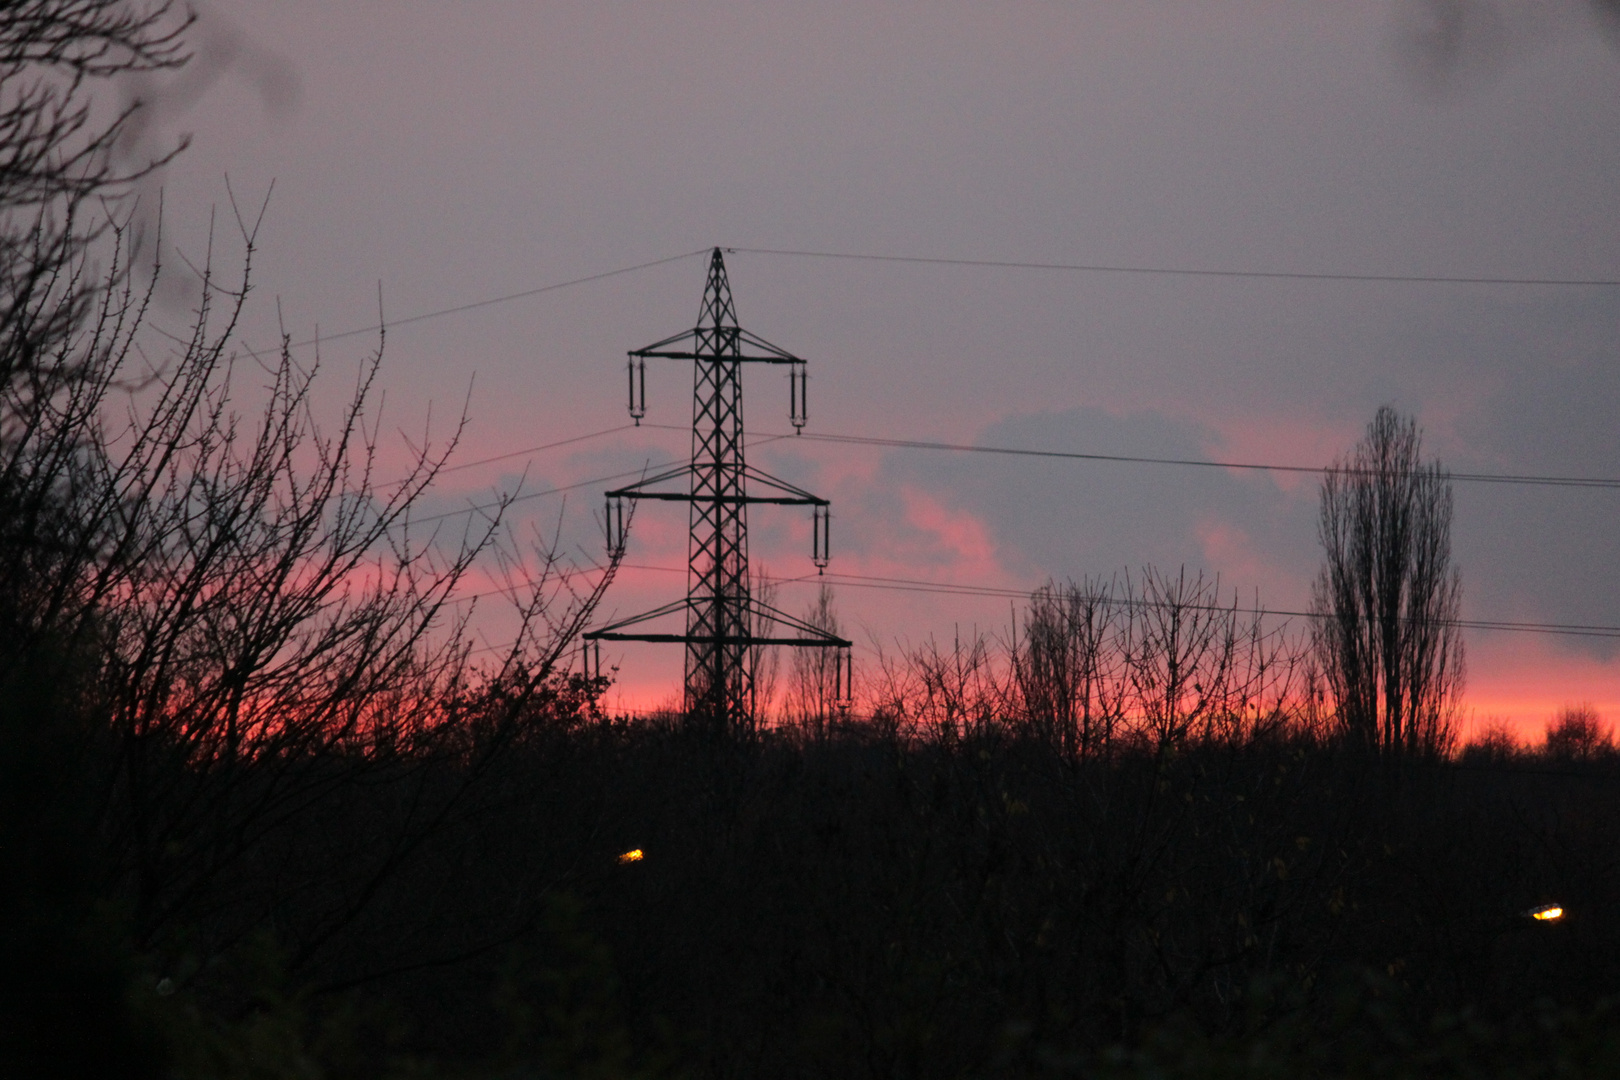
{"x":718,"y":310}
{"x":717,"y":334}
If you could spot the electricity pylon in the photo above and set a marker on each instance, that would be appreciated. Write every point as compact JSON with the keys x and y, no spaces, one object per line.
{"x":725,"y":623}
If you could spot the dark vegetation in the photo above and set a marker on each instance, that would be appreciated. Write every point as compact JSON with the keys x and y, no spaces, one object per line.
{"x":866,"y":903}
{"x":1388,"y":599}
{"x":263,"y":812}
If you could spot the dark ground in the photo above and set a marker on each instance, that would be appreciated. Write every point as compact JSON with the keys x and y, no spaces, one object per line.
{"x":857,"y":906}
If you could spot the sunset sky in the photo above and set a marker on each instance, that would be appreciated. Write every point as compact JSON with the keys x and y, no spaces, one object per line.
{"x":458,"y":154}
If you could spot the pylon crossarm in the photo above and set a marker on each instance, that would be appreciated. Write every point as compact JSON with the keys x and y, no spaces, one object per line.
{"x":740,"y":640}
{"x":669,"y":349}
{"x":797,"y":495}
{"x":634,"y":491}
{"x":759,"y":613}
{"x":816,"y":636}
{"x":657,"y":348}
{"x":729,"y":500}
{"x":739,"y":359}
{"x":790,"y":494}
{"x":608,"y":631}
{"x":774,"y":354}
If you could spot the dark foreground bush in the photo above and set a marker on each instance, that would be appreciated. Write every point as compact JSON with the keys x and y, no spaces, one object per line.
{"x":869,"y":907}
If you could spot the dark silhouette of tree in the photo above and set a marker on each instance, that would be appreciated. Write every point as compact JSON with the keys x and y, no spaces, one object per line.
{"x":767,"y":659}
{"x":813,"y":691}
{"x":1578,"y":733}
{"x":1387,"y":600}
{"x":1495,"y":743}
{"x":1067,"y":669}
{"x":1156,"y":658}
{"x":64,"y":319}
{"x":239,"y":626}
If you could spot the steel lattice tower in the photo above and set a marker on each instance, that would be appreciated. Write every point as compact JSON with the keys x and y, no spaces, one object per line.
{"x":719,"y":678}
{"x":725,"y":624}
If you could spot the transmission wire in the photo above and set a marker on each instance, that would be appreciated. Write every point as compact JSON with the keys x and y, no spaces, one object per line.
{"x":1100,"y":268}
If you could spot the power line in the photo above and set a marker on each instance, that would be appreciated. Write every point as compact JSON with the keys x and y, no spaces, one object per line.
{"x":535,"y":449}
{"x":649,"y":467}
{"x":539,"y":494}
{"x":1102,"y":268}
{"x":1004,"y":264}
{"x":867,"y":581}
{"x":1543,"y":481}
{"x":864,"y":581}
{"x":1604,"y":483}
{"x":474,"y":305}
{"x":948,"y":588}
{"x":1601,"y":483}
{"x":511,"y":454}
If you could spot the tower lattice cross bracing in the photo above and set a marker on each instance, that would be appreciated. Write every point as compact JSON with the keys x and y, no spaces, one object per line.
{"x":725,"y":625}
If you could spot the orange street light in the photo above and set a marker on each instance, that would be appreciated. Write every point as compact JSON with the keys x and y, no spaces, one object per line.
{"x":636,"y":855}
{"x":1546,"y":913}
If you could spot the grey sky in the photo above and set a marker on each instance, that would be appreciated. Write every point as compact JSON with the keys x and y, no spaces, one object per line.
{"x":456,"y":154}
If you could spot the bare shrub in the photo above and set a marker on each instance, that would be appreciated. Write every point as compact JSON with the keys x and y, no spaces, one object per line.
{"x":1066,"y":668}
{"x":766,"y":660}
{"x":1578,"y":733}
{"x":1494,"y":743}
{"x":1154,"y":658}
{"x":813,"y":691}
{"x":954,"y":692}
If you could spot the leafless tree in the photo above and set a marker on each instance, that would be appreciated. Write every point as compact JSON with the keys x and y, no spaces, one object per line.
{"x":813,"y":691}
{"x":1270,"y":685}
{"x":1495,"y":742}
{"x":1578,"y":733}
{"x":1387,"y":600}
{"x":944,"y":692}
{"x":262,"y":621}
{"x":1180,"y":648}
{"x":1153,"y":657}
{"x":766,"y":661}
{"x":888,"y":692}
{"x":1067,"y":669}
{"x":57,"y":143}
{"x":60,"y":186}
{"x":247,"y":613}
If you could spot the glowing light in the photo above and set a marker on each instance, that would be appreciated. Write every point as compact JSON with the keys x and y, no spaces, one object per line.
{"x":1548,"y":913}
{"x":636,"y":855}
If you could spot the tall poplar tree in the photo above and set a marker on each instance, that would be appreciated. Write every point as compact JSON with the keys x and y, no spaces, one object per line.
{"x":1388,"y":596}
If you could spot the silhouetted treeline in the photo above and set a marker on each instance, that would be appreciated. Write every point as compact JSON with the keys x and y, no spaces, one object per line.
{"x":856,"y":904}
